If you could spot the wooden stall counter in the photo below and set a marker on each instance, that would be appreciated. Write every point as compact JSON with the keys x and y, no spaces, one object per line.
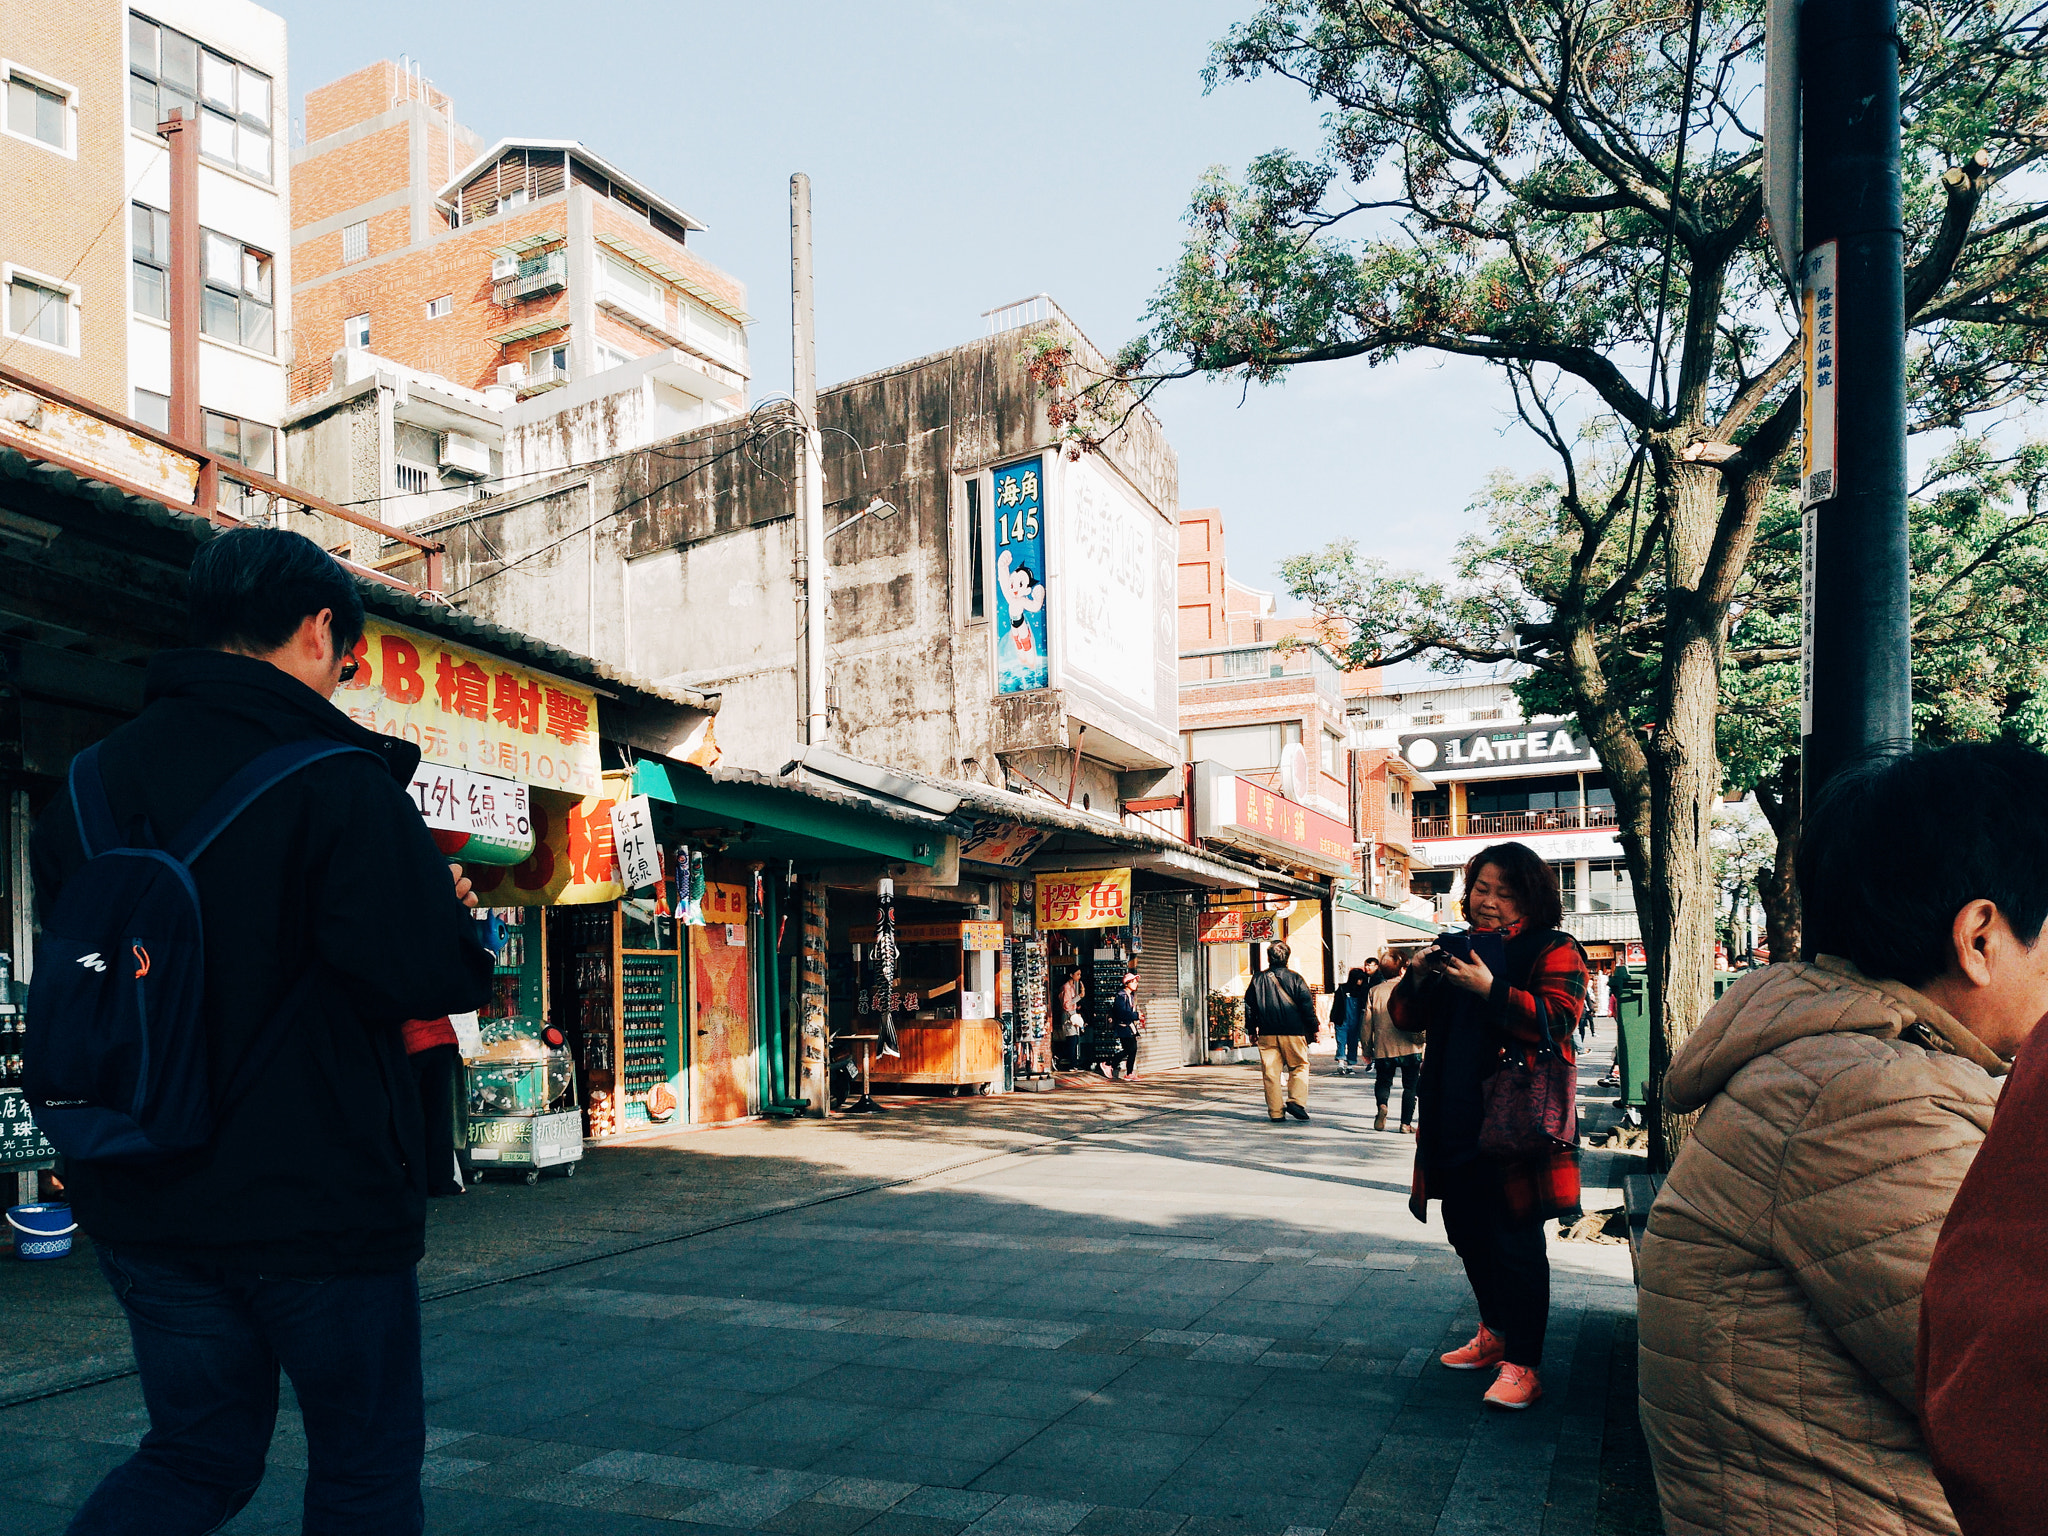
{"x":965,"y":1054}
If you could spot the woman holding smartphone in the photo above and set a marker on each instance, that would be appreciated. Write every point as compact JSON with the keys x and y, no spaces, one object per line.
{"x":1514,"y":982}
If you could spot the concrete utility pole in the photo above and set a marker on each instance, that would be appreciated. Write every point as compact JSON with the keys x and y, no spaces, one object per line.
{"x":188,"y":423}
{"x":810,"y":538}
{"x":1858,"y":683}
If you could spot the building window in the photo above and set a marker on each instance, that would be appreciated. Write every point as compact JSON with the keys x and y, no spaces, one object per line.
{"x":236,"y":303}
{"x":153,"y":409}
{"x":1374,"y":723}
{"x":355,"y":331}
{"x":42,"y":311}
{"x":150,"y":237}
{"x":631,"y":287}
{"x":611,"y":357}
{"x":1333,"y":746}
{"x":1608,"y":883}
{"x":1247,"y":748}
{"x":1397,"y":801}
{"x":412,"y":480}
{"x":168,"y":71}
{"x":977,"y":595}
{"x":355,"y":241}
{"x":39,"y":110}
{"x":249,"y":443}
{"x":1486,"y":714}
{"x":439,"y":308}
{"x":548,"y":362}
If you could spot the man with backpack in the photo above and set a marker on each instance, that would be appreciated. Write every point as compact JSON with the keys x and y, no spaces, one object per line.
{"x":1280,"y":1013}
{"x":257,"y":1200}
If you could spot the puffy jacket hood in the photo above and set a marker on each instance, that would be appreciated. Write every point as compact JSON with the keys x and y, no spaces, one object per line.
{"x":1773,"y":1007}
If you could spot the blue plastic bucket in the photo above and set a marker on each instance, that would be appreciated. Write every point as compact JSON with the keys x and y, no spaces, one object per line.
{"x":41,"y":1231}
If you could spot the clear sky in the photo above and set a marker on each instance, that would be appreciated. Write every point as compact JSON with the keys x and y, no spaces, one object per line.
{"x":962,"y":153}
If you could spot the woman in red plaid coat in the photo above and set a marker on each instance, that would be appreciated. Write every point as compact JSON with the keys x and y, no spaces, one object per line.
{"x":1521,"y":982}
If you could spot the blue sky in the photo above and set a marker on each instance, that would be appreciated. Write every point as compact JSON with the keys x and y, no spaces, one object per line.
{"x":963,"y":153}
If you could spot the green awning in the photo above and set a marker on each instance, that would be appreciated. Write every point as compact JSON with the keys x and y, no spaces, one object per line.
{"x":1399,"y":919}
{"x":769,"y":822}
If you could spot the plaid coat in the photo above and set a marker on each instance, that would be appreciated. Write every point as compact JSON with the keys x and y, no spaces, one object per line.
{"x":1544,"y":1003}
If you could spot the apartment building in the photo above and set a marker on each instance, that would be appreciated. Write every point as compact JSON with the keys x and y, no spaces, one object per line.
{"x":1498,"y":776}
{"x":470,"y":315}
{"x":84,"y":243}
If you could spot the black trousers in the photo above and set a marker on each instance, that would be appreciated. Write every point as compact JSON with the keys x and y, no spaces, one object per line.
{"x":1410,"y":1068}
{"x":1127,"y":1041}
{"x":1505,"y":1261}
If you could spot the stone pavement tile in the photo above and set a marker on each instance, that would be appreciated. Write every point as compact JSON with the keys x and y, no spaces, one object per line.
{"x":1141,"y":1454}
{"x":765,"y":1495}
{"x":22,"y":1519}
{"x":1113,"y":1520}
{"x":436,"y":1471}
{"x":1176,"y":1413}
{"x":1276,"y":1319}
{"x":601,"y":1430}
{"x":949,"y":1504}
{"x":1085,"y":1483}
{"x":653,"y":1500}
{"x":818,"y":1517}
{"x":981,"y":1437}
{"x":683,"y":1408}
{"x":896,"y":1523}
{"x":1272,"y":1492}
{"x":794,"y":1417}
{"x":948,"y":1355}
{"x":864,"y":1493}
{"x":1153,"y":1349}
{"x":1091,"y":1371}
{"x":883,"y":1385}
{"x":576,"y":1492}
{"x":1231,"y":1349}
{"x":931,"y":1468}
{"x":1022,"y":1514}
{"x":667,"y":1471}
{"x":1013,"y":1399}
{"x":513,"y":1475}
{"x":1199,"y":1378}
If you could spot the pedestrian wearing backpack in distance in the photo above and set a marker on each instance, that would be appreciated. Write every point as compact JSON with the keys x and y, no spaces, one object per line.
{"x":1280,"y":1013}
{"x":288,"y":1239}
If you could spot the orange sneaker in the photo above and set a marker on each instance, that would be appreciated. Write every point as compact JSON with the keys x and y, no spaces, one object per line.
{"x":1515,"y":1388}
{"x":1484,"y":1352}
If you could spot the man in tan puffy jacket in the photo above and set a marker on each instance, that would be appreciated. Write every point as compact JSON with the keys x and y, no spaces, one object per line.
{"x":1782,"y":1268}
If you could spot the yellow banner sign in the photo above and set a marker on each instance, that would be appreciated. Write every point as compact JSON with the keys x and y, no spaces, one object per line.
{"x":1085,"y":898}
{"x":574,"y":861}
{"x":464,"y":709}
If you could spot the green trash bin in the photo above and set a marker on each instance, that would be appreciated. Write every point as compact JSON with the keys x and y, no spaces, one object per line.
{"x":1632,"y":1008}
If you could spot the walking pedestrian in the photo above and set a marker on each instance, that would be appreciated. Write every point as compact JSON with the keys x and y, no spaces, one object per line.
{"x":1841,"y":1103}
{"x":1126,"y":1019}
{"x":290,"y":1240}
{"x":1511,"y":989}
{"x":1347,"y":1017}
{"x":1067,"y":1041}
{"x":1394,"y":1051}
{"x":1280,"y":1013}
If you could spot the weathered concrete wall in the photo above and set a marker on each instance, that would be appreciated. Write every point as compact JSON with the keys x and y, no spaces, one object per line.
{"x":695,"y":564}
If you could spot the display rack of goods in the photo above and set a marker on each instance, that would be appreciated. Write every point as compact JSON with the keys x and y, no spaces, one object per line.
{"x":650,"y":1061}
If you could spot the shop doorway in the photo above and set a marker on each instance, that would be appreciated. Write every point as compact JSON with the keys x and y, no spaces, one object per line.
{"x":722,"y":1068}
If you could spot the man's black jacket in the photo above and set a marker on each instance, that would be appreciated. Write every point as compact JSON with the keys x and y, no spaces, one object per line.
{"x":317,"y":1170}
{"x":1278,"y":1002}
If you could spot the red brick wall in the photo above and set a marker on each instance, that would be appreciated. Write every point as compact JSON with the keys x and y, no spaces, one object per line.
{"x":361,"y":96}
{"x":608,"y":219}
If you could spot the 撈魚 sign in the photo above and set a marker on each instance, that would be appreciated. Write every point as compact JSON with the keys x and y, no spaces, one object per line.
{"x":1085,"y":898}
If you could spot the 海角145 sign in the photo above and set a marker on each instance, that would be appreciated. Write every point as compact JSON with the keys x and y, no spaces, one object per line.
{"x":464,"y":709}
{"x":1018,"y":493}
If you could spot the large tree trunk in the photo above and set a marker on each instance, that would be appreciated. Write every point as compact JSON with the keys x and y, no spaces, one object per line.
{"x":1685,"y":780}
{"x":1777,"y":884}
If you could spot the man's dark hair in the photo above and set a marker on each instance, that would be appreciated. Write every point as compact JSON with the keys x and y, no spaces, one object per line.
{"x":1278,"y":952}
{"x":1533,"y":882}
{"x":1898,"y":843}
{"x":250,"y":588}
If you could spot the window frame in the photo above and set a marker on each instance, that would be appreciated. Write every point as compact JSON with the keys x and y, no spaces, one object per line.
{"x":49,"y":85}
{"x":976,"y":532}
{"x":242,"y":424}
{"x":446,"y":303}
{"x":243,"y":297}
{"x":203,"y":110}
{"x":162,"y":267}
{"x":348,"y":329}
{"x":75,"y":318}
{"x":359,"y":229}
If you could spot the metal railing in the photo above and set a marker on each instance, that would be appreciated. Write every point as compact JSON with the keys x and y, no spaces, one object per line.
{"x":189,"y":478}
{"x":1036,"y":310}
{"x":1570,"y":818}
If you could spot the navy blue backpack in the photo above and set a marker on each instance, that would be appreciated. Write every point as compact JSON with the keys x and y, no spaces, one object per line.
{"x":114,"y":1065}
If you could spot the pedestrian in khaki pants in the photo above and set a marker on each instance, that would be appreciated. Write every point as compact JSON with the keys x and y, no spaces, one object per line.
{"x":1280,"y":1013}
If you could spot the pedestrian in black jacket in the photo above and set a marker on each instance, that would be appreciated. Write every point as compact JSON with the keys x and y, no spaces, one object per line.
{"x":290,"y":1241}
{"x":1280,"y":1013}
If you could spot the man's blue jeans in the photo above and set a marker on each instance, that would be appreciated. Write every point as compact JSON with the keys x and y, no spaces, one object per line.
{"x":209,"y":1344}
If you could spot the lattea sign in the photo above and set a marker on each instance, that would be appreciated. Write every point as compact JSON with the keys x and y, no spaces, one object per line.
{"x":464,"y":709}
{"x":1085,"y":898}
{"x":476,"y":819}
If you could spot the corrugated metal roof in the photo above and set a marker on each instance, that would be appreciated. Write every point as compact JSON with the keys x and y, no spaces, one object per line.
{"x":662,"y":269}
{"x":378,"y":598}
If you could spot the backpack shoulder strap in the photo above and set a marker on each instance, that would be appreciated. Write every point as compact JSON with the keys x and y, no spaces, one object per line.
{"x":97,"y":830}
{"x":243,"y":789}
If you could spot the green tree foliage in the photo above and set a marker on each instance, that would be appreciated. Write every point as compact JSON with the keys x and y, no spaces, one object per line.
{"x":1568,"y":190}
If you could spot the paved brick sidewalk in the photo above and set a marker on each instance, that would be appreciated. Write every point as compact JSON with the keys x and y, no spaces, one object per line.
{"x":1141,"y":1311}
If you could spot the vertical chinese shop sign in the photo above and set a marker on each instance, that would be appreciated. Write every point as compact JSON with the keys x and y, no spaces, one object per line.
{"x":463,"y":709}
{"x":1018,"y":494}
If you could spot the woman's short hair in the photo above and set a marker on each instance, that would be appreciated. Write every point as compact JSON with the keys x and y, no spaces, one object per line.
{"x":1533,"y":882}
{"x":1898,"y":843}
{"x":249,"y":590}
{"x":1279,"y":951}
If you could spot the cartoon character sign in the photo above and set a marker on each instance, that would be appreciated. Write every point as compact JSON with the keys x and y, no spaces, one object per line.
{"x":1021,"y":659}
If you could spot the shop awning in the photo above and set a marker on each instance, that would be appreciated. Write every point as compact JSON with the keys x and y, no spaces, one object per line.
{"x":1385,"y":914}
{"x":780,"y":821}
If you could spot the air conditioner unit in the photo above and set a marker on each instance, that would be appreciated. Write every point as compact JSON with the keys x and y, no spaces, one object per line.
{"x":511,"y":373}
{"x":503,"y":267}
{"x":465,"y":455}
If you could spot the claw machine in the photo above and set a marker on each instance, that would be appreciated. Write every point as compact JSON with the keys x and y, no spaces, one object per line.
{"x":520,"y":1109}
